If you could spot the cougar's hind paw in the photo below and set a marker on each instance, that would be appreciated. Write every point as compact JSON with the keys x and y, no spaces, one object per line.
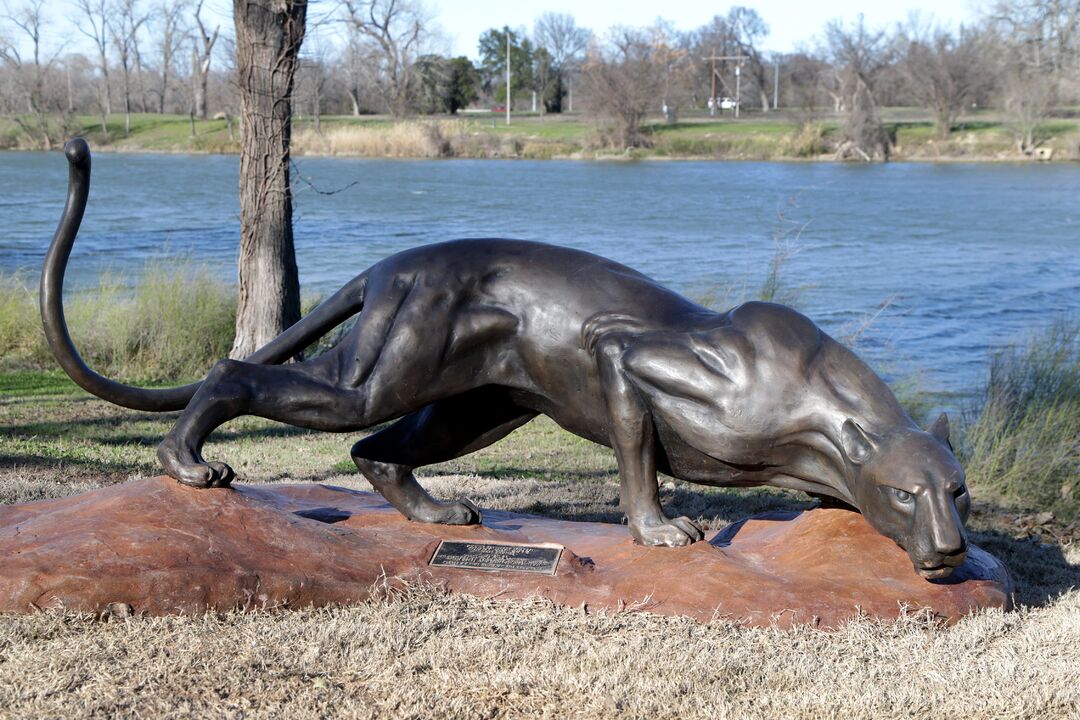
{"x":204,"y":475}
{"x":189,"y":469}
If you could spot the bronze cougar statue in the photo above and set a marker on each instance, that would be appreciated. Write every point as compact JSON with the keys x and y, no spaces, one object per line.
{"x":462,"y":342}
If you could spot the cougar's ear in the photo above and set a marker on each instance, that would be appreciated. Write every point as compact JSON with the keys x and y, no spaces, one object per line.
{"x":940,"y":430}
{"x":858,"y":444}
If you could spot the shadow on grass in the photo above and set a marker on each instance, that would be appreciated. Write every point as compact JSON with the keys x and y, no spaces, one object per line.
{"x":1040,"y":571}
{"x":218,"y":436}
{"x":501,"y":472}
{"x":101,"y":430}
{"x":97,"y":468}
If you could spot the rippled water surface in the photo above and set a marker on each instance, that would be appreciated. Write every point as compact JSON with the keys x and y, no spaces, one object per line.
{"x":964,"y":257}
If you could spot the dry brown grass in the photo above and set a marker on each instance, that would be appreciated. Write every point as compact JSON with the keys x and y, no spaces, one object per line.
{"x":411,"y":139}
{"x":426,"y":654}
{"x":430,"y":138}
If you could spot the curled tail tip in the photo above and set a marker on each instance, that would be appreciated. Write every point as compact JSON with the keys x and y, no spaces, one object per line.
{"x":77,"y":151}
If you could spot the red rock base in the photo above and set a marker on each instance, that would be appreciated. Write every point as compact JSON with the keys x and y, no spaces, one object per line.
{"x":161,"y":548}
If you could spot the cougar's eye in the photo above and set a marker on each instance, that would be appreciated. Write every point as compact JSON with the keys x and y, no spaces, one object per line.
{"x":901,"y":495}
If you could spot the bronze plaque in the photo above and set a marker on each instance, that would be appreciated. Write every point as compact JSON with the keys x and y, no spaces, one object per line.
{"x":498,"y":557}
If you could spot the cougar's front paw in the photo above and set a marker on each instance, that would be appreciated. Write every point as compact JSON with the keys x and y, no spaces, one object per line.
{"x":671,"y":533}
{"x":185,"y":466}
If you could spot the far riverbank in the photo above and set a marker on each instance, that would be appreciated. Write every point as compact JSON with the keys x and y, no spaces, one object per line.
{"x":982,"y":138}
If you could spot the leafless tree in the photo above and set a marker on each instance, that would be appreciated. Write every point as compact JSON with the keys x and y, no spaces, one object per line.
{"x":141,"y":71}
{"x":355,"y":61}
{"x":808,"y":78}
{"x":565,"y":42}
{"x":1043,"y":34}
{"x":1039,"y":42}
{"x":398,"y":31}
{"x":944,"y":71}
{"x":313,"y":77}
{"x":30,"y":74}
{"x":269,"y":34}
{"x":1028,"y":98}
{"x":672,"y":54}
{"x":125,"y":32}
{"x":202,"y":52}
{"x":625,"y":80}
{"x":748,"y":29}
{"x":714,"y":39}
{"x":860,"y":55}
{"x":98,"y":14}
{"x":170,"y":38}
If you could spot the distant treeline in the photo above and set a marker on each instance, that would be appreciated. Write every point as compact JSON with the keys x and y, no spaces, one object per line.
{"x":1021,"y":57}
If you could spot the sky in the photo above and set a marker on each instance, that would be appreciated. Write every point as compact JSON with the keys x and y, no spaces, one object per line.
{"x":792,"y":23}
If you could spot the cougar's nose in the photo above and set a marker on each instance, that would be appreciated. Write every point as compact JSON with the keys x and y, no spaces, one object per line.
{"x":947,"y":530}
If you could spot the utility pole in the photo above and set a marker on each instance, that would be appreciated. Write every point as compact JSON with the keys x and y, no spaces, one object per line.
{"x":776,"y":84}
{"x":507,"y":75}
{"x":713,"y":92}
{"x":738,"y":89}
{"x":738,"y":59}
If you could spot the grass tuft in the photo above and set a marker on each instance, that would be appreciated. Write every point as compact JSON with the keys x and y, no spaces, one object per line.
{"x":174,"y":321}
{"x":1024,"y":444}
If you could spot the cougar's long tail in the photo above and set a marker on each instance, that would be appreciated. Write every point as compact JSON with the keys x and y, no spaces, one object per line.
{"x":337,"y":308}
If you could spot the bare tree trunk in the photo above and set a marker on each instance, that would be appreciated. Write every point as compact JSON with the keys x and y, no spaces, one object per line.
{"x":171,"y":39}
{"x":199,"y":81}
{"x":943,"y":122}
{"x":202,"y":53}
{"x":268,"y":38}
{"x":97,"y":14}
{"x":198,"y":89}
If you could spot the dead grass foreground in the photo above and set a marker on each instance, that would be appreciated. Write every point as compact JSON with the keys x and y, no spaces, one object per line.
{"x":425,"y":654}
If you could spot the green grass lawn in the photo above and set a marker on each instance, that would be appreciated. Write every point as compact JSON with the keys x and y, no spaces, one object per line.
{"x":755,"y":136}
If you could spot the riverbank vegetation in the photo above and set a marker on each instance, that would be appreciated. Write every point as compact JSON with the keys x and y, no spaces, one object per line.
{"x":774,"y":137}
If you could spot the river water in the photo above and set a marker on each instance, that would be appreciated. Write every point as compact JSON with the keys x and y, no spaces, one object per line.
{"x":953,"y":259}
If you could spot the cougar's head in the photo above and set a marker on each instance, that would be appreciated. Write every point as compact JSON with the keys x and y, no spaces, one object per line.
{"x":909,"y":485}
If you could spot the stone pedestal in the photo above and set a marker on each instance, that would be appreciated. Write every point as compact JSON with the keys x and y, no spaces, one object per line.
{"x":160,"y":547}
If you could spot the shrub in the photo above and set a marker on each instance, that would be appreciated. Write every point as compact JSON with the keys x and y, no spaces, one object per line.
{"x":412,"y":139}
{"x":809,"y":141}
